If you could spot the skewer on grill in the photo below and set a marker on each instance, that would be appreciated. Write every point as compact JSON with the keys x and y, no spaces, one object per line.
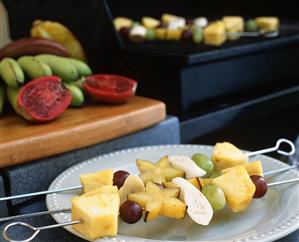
{"x":249,"y":154}
{"x":37,"y":230}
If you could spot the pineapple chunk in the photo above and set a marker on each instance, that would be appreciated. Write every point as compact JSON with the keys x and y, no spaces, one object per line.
{"x":94,"y":180}
{"x":161,"y":33}
{"x":150,"y":23}
{"x":98,"y":213}
{"x":233,"y":24}
{"x":121,"y":22}
{"x":267,"y":24}
{"x":214,"y":33}
{"x":159,"y":202}
{"x":174,"y":34}
{"x":168,"y":18}
{"x":157,"y":172}
{"x":227,"y":155}
{"x":253,"y":168}
{"x":237,"y":187}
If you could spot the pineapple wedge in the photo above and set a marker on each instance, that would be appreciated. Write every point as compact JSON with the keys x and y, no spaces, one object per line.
{"x":98,"y":212}
{"x":237,"y":187}
{"x":168,"y":18}
{"x":157,"y":172}
{"x":233,"y":24}
{"x":267,"y":24}
{"x":226,"y":155}
{"x":94,"y":180}
{"x":121,"y":22}
{"x":214,"y":33}
{"x":159,"y":202}
{"x":149,"y":22}
{"x":253,"y":168}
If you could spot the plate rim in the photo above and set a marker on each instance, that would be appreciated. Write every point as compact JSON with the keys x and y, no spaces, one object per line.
{"x":277,"y":234}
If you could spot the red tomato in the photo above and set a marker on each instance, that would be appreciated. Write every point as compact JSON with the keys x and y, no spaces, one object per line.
{"x":109,"y":88}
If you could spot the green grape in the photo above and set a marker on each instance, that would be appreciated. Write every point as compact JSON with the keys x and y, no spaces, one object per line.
{"x":251,"y":25}
{"x":215,"y":196}
{"x":150,"y":34}
{"x":203,"y":162}
{"x":214,"y":174}
{"x":197,"y":35}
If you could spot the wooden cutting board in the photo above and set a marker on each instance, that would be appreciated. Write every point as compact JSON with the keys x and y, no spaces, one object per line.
{"x":21,"y":141}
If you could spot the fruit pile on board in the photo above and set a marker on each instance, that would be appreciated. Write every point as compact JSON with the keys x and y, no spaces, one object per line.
{"x":174,"y":187}
{"x":197,"y":30}
{"x":46,"y":73}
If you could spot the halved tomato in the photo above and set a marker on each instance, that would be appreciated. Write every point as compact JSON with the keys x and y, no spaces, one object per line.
{"x":109,"y":88}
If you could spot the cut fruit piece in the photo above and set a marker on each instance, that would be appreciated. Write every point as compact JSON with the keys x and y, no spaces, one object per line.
{"x":95,"y":180}
{"x":132,"y":184}
{"x":150,"y":23}
{"x":226,"y":155}
{"x":159,"y":202}
{"x":194,"y":181}
{"x":109,"y":88}
{"x":198,"y":207}
{"x":184,"y":163}
{"x":98,"y":213}
{"x":253,"y":168}
{"x":237,"y":187}
{"x":121,"y":22}
{"x":267,"y":24}
{"x":214,"y":33}
{"x":159,"y":172}
{"x":43,"y":99}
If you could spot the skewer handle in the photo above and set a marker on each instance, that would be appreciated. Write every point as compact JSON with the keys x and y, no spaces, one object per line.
{"x":276,"y":148}
{"x":283,"y":182}
{"x":34,"y":194}
{"x":35,"y":230}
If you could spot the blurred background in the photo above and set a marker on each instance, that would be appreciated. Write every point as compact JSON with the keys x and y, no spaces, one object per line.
{"x":245,"y":91}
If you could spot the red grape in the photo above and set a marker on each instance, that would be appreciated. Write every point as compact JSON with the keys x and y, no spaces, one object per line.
{"x":119,"y":178}
{"x":187,"y":35}
{"x":130,"y":212}
{"x":261,"y":186}
{"x":124,"y":32}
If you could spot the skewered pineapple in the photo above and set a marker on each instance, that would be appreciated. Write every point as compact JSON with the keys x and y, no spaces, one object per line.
{"x":98,"y":212}
{"x":215,"y":34}
{"x":226,"y":155}
{"x":267,"y":24}
{"x":94,"y":180}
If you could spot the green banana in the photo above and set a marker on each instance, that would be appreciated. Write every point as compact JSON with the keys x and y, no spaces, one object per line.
{"x":60,"y":67}
{"x":34,"y":67}
{"x":2,"y":96}
{"x":79,"y":83}
{"x":82,"y":68}
{"x":11,"y":72}
{"x":77,"y":95}
{"x":12,"y":94}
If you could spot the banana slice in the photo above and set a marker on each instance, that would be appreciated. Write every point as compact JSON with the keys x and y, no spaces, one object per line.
{"x":198,"y":207}
{"x":131,"y":185}
{"x":184,"y":163}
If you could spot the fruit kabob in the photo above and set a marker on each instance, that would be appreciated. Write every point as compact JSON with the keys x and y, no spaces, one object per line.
{"x":173,"y":187}
{"x":197,"y":30}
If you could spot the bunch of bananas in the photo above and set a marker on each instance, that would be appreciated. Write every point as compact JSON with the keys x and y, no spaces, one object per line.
{"x":15,"y":72}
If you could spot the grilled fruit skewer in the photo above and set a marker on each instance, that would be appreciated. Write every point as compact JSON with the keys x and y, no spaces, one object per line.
{"x":11,"y":72}
{"x":32,"y":46}
{"x":33,"y":67}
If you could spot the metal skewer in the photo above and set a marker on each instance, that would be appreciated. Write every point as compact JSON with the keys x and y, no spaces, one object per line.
{"x":258,"y":152}
{"x":36,"y":230}
{"x":254,"y":34}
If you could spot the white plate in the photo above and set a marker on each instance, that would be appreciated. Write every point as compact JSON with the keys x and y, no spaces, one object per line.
{"x":267,"y":219}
